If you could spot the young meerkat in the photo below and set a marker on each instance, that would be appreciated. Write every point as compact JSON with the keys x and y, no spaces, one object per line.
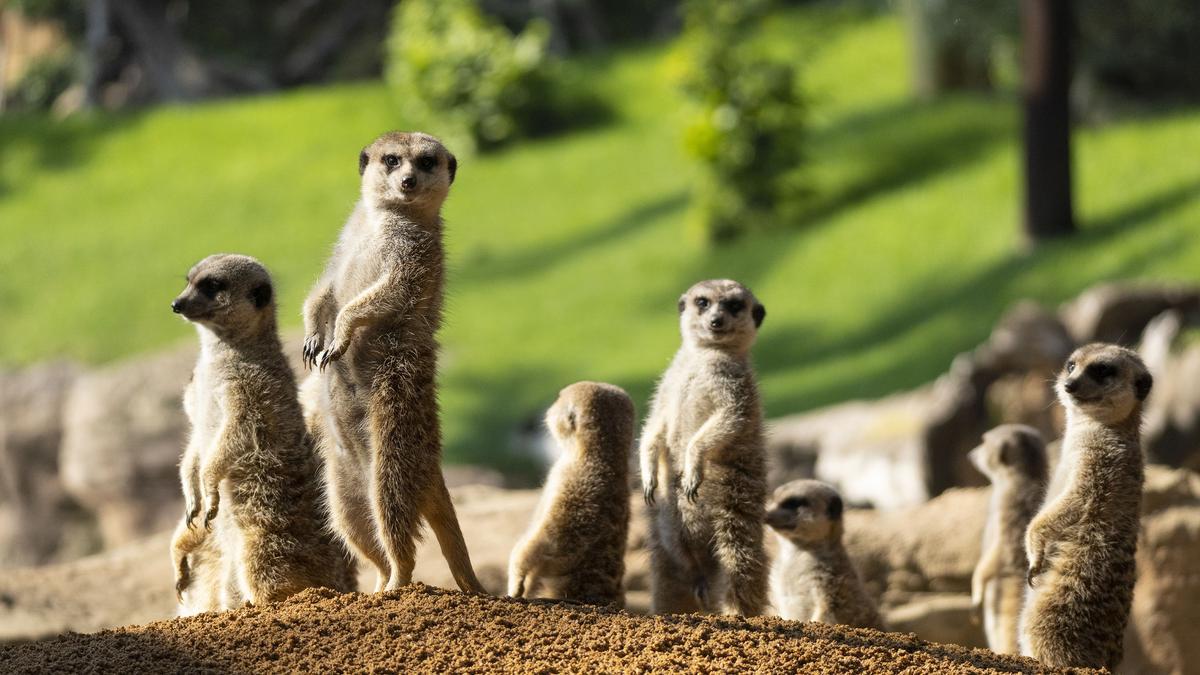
{"x":371,"y":322}
{"x":703,"y":443}
{"x":1013,"y":457}
{"x":1081,"y":543}
{"x":575,"y":546}
{"x":812,"y":578}
{"x":249,"y":458}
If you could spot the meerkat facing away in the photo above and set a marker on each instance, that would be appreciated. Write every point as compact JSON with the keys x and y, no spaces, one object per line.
{"x":703,"y":443}
{"x":813,"y":579}
{"x":249,"y":453}
{"x":1081,"y":543}
{"x":1013,"y":457}
{"x":576,"y":543}
{"x":371,"y":322}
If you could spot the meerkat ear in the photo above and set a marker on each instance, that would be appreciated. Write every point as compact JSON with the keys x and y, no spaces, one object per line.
{"x":261,"y":295}
{"x":682,"y":303}
{"x":1142,"y":385}
{"x":363,"y":159}
{"x":759,"y":313}
{"x":452,"y":166}
{"x":834,"y":509}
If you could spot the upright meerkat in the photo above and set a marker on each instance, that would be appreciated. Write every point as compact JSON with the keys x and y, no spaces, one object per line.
{"x":1082,"y":541}
{"x":370,"y":323}
{"x":703,"y":443}
{"x":249,"y":456}
{"x":576,"y":543}
{"x":1013,"y":457}
{"x":812,"y":579}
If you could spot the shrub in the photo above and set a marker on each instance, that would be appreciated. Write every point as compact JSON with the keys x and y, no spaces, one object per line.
{"x":749,"y":130}
{"x":465,"y":75}
{"x":42,"y":83}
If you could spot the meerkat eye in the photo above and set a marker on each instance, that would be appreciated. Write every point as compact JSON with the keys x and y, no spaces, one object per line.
{"x":210,"y":287}
{"x":793,"y":503}
{"x":427,"y":162}
{"x":702,"y":303}
{"x":1070,"y":367}
{"x":391,"y":161}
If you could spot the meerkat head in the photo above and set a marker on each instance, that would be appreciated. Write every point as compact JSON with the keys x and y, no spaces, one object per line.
{"x":592,"y":411}
{"x":230,"y":294}
{"x":406,"y":170}
{"x":1104,"y":382}
{"x":720,"y":313}
{"x":1010,"y":451}
{"x":806,"y":512}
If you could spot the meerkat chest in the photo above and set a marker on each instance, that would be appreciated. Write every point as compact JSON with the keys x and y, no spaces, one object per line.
{"x":204,"y":399}
{"x":360,"y":264}
{"x":796,"y":580}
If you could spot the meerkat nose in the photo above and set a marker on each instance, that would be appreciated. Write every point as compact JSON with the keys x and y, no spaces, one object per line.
{"x":1071,"y":386}
{"x":408,"y":182}
{"x":177,"y":305}
{"x":716,"y":322}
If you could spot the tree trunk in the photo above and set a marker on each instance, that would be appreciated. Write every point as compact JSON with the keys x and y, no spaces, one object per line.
{"x":95,"y":39}
{"x":1046,"y":27}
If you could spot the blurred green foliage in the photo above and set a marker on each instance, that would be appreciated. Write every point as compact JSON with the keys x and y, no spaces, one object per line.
{"x":42,"y":83}
{"x":749,"y":128}
{"x":465,"y":75}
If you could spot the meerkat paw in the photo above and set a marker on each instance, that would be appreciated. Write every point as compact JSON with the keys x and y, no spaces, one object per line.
{"x":313,"y":346}
{"x":691,"y":485}
{"x":700,"y":591}
{"x":191,"y":512}
{"x":212,"y":507}
{"x":330,"y":355}
{"x":182,"y":578}
{"x":649,"y":490}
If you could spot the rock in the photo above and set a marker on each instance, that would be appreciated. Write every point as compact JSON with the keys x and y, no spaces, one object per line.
{"x":1118,"y":312}
{"x":36,"y":514}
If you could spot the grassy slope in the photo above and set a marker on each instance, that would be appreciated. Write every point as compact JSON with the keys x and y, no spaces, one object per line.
{"x":567,"y":254}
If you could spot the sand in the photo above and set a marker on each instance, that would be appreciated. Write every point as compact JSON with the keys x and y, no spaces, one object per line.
{"x":424,"y":629}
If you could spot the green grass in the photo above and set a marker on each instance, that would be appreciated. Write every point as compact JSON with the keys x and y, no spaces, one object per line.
{"x":567,"y":254}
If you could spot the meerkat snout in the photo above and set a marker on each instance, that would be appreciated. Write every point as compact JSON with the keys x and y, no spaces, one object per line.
{"x":226,"y":290}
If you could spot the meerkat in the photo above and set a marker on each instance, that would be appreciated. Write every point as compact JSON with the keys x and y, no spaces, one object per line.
{"x":812,"y":579}
{"x":703,"y":442}
{"x":249,"y":458}
{"x":1013,"y":457}
{"x":1081,"y":543}
{"x":370,"y":324}
{"x":576,"y":543}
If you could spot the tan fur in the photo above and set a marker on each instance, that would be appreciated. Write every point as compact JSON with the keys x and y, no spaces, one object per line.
{"x":371,"y":322}
{"x":813,"y":579}
{"x":1013,"y":457}
{"x":1082,"y":541}
{"x":575,"y":546}
{"x":249,"y":457}
{"x":703,"y":443}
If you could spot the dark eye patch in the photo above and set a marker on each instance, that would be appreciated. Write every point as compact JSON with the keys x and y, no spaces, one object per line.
{"x":1101,"y":371}
{"x":793,"y":503}
{"x":733,"y":306}
{"x":209,"y":287}
{"x":427,"y":162}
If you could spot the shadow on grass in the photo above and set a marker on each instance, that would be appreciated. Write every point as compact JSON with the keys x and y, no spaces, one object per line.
{"x":51,"y":144}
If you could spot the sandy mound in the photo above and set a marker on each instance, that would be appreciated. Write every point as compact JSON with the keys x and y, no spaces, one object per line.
{"x":426,"y":629}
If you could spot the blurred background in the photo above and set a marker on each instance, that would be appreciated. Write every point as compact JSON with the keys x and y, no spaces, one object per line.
{"x":892,"y":179}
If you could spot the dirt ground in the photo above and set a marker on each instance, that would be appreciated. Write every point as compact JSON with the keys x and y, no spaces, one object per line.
{"x":423,"y":629}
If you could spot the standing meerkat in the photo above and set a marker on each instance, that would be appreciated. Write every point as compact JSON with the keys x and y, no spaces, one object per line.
{"x":371,"y":322}
{"x":249,"y":458}
{"x":813,"y":579}
{"x":1013,"y":457}
{"x":576,"y":543}
{"x":703,"y":443}
{"x":1081,"y":543}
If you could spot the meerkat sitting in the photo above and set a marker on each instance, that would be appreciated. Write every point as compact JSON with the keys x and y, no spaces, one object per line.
{"x":576,"y":543}
{"x":703,"y":444}
{"x":1013,"y":457}
{"x":249,"y":458}
{"x":1081,"y":543}
{"x":812,"y":578}
{"x":370,"y":324}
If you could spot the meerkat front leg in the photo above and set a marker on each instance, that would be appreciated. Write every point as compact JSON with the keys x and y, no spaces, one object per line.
{"x":653,"y":441}
{"x":236,"y":437}
{"x":714,"y":433}
{"x":522,"y":572}
{"x":189,"y":474}
{"x":319,"y":313}
{"x":384,"y":297}
{"x":986,"y":570}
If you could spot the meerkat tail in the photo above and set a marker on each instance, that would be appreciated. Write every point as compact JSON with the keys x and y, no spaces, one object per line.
{"x":439,"y":513}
